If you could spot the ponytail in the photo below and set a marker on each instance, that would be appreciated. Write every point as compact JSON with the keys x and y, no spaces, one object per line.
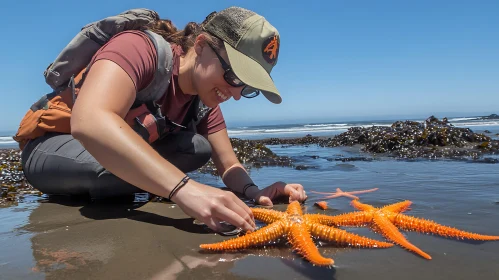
{"x":184,"y":38}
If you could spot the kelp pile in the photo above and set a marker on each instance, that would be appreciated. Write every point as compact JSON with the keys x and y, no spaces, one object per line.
{"x":432,"y":138}
{"x":12,"y":180}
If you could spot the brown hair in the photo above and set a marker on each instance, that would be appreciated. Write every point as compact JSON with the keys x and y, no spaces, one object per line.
{"x":184,"y":38}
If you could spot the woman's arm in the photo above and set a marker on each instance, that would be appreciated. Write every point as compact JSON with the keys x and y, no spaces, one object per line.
{"x":97,"y":122}
{"x":233,"y":174}
{"x":235,"y":177}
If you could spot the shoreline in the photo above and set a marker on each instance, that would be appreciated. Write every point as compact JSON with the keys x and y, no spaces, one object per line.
{"x":433,"y":139}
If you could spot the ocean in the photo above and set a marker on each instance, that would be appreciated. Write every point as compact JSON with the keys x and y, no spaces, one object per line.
{"x":6,"y":140}
{"x":42,"y":239}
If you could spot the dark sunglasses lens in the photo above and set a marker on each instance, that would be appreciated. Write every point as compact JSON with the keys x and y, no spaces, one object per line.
{"x":250,"y":92}
{"x":232,"y":79}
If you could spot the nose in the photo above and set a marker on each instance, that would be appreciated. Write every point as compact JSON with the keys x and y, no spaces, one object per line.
{"x":236,"y":92}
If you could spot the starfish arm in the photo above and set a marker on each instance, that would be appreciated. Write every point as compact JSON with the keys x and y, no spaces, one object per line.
{"x":300,"y":239}
{"x":363,"y":191}
{"x":343,"y":237}
{"x":427,"y":226}
{"x":351,"y":219}
{"x":294,"y":208}
{"x":267,"y":216}
{"x":391,"y":232}
{"x":349,"y":195}
{"x":330,"y":193}
{"x":398,"y":207}
{"x":361,"y":206}
{"x":262,"y":236}
{"x":331,"y":196}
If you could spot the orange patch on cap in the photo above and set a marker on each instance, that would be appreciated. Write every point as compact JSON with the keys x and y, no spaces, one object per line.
{"x":271,"y":49}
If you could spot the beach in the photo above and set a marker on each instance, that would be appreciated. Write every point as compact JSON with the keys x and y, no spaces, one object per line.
{"x":44,"y":238}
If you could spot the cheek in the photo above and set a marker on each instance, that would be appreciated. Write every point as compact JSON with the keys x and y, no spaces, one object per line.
{"x":206,"y":78}
{"x":203,"y":85}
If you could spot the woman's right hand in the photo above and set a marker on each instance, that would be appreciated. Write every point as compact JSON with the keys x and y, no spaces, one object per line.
{"x":212,"y":206}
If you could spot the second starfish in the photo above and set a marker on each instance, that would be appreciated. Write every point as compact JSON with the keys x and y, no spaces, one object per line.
{"x":386,"y":220}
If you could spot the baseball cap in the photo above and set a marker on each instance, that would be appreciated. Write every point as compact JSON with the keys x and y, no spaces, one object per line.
{"x":252,"y":45}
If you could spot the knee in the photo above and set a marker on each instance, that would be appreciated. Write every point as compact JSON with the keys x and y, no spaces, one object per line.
{"x":188,"y":151}
{"x":202,"y":148}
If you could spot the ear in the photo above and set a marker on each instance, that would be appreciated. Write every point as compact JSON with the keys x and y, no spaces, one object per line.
{"x":199,"y":44}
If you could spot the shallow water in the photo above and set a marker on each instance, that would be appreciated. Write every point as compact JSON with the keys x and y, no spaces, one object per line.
{"x":41,"y":239}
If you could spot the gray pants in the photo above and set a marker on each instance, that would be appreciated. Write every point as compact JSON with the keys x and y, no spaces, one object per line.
{"x":58,"y":164}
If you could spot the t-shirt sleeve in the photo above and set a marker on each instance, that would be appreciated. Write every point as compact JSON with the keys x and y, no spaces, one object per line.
{"x":134,"y":53}
{"x":212,"y":123}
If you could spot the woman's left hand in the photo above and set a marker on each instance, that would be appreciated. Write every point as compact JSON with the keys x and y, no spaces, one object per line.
{"x":279,"y":189}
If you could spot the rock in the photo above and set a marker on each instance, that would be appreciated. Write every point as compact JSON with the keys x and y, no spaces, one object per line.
{"x":486,"y":160}
{"x":251,"y":154}
{"x":432,"y":138}
{"x":304,"y":167}
{"x":13,"y":184}
{"x":490,"y":117}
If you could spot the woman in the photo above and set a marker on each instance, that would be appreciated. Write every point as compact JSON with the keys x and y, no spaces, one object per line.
{"x":230,"y":55}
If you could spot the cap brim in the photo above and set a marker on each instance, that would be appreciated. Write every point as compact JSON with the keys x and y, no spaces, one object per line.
{"x":252,"y":73}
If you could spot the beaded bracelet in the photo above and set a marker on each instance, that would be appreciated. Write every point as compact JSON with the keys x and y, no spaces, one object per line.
{"x":247,"y":186}
{"x":178,"y":186}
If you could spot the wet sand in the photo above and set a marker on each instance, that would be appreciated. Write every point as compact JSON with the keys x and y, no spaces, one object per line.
{"x":43,"y":239}
{"x":158,"y":241}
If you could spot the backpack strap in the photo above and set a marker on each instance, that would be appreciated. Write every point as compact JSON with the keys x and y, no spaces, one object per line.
{"x":145,"y":116}
{"x":163,"y":74}
{"x":197,"y":112}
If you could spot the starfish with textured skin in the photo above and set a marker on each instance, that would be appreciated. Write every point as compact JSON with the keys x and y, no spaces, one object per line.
{"x":339,"y":193}
{"x":299,"y":229}
{"x":388,"y":219}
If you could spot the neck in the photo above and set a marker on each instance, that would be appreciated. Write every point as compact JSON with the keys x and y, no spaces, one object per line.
{"x":185,"y":78}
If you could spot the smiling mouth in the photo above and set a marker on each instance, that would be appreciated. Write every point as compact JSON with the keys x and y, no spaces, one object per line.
{"x":221,"y":95}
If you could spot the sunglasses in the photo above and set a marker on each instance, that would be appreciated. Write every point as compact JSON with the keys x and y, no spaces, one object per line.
{"x":231,"y":78}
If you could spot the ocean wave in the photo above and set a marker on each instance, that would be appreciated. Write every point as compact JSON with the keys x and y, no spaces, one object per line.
{"x":462,"y":119}
{"x":481,"y":123}
{"x":6,"y":140}
{"x":298,"y":129}
{"x":326,"y":125}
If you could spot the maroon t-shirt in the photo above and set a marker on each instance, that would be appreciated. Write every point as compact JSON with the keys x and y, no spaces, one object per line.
{"x":135,"y":53}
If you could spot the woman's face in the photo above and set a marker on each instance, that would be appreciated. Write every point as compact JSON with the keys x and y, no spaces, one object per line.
{"x":208,"y":77}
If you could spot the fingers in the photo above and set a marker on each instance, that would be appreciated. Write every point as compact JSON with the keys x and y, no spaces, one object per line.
{"x":243,"y":206}
{"x":265,"y":201}
{"x":241,"y":220}
{"x":296,"y":192}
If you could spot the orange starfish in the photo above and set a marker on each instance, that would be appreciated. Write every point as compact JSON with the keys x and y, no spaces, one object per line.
{"x":388,"y":218}
{"x":299,"y":228}
{"x":339,"y":193}
{"x":321,"y":204}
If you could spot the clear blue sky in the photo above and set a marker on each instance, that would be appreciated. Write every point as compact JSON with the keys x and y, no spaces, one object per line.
{"x":338,"y":59}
